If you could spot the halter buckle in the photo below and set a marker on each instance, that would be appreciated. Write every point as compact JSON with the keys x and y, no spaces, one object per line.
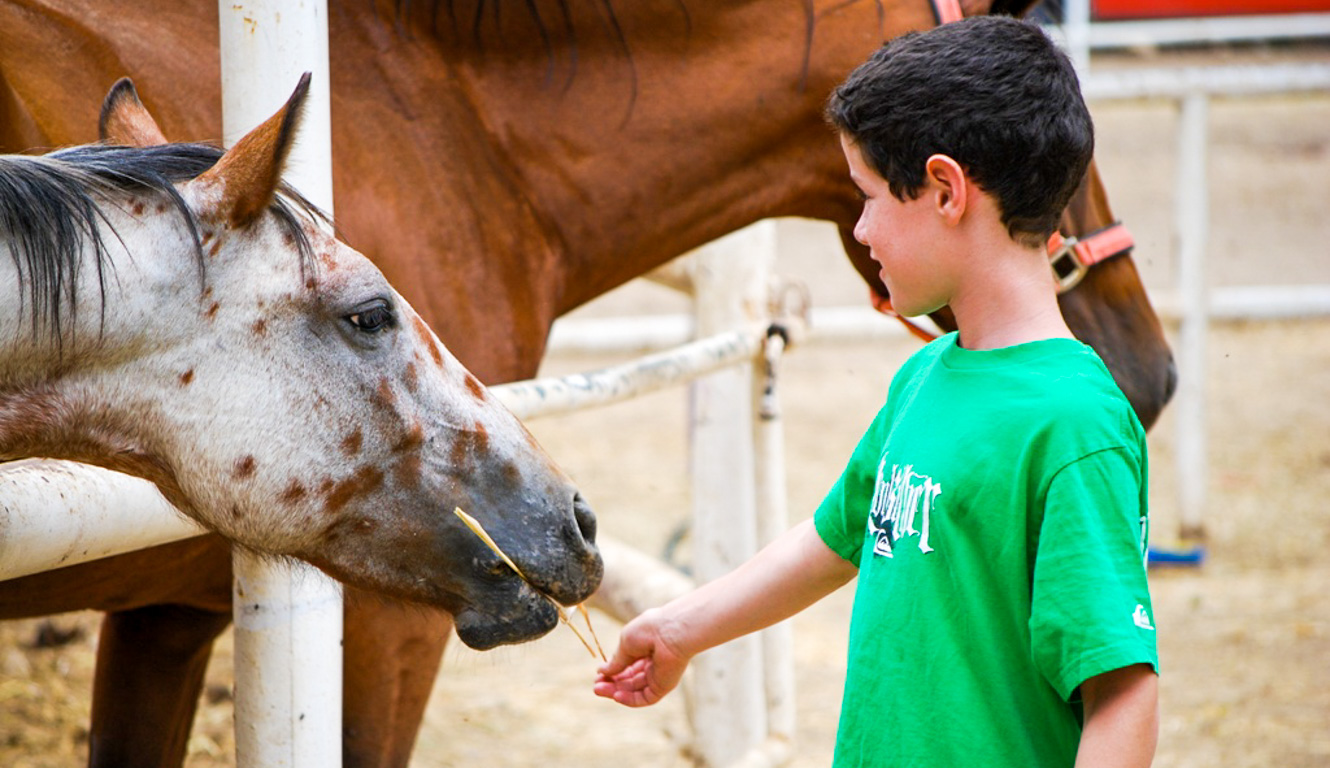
{"x":1066,"y":262}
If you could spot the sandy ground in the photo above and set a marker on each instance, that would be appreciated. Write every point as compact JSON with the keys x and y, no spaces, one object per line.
{"x":1244,"y":640}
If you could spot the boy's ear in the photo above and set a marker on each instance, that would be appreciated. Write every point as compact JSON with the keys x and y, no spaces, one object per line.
{"x":947,"y":184}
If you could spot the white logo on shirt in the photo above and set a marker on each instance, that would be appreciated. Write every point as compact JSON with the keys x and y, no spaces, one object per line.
{"x":1142,"y":619}
{"x":899,"y":503}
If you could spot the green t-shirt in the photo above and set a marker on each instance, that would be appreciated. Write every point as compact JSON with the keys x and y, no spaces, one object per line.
{"x":996,"y":509}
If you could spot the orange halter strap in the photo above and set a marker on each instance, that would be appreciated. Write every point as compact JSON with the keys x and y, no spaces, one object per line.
{"x":947,"y":11}
{"x":1072,"y":257}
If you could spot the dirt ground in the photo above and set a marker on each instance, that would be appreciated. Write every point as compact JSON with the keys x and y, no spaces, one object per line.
{"x":1244,"y":640}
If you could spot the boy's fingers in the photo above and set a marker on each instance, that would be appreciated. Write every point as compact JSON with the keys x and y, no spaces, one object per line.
{"x":617,"y":663}
{"x":643,"y":698}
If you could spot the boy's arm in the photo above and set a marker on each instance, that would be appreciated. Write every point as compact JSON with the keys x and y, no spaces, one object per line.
{"x":790,"y":574}
{"x":1121,"y":718}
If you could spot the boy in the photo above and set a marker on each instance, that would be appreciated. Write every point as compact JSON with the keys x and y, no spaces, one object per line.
{"x":994,"y":512}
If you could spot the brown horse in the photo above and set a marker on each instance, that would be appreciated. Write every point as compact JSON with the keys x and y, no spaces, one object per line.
{"x":502,"y":163}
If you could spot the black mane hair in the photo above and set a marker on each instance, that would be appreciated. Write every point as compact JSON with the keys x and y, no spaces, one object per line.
{"x":51,"y":208}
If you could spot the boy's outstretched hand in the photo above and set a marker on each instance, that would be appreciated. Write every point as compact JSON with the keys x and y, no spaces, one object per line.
{"x":644,"y":667}
{"x":788,"y":575}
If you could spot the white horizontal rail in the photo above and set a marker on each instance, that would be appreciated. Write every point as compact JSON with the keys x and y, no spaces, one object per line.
{"x":1231,"y":80}
{"x":555,"y":395}
{"x":1254,"y":302}
{"x":1213,"y":29}
{"x":638,"y":334}
{"x":58,"y":513}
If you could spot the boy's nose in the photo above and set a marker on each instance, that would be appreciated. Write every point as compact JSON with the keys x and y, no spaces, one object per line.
{"x":859,"y":236}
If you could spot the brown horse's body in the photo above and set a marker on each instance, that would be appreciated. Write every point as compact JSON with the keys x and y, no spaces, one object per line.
{"x":500,"y":171}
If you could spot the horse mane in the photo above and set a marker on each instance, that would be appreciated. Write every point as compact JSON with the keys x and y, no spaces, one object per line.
{"x":439,"y":10}
{"x":544,"y":30}
{"x":51,"y":209}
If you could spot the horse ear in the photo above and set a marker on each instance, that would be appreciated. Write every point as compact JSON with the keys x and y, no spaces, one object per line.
{"x":242,"y":183}
{"x":124,"y":119}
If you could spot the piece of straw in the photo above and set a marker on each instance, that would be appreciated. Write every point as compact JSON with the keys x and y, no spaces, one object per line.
{"x":479,"y":530}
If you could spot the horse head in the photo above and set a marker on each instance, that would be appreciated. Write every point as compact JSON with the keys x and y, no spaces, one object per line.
{"x":277,"y":389}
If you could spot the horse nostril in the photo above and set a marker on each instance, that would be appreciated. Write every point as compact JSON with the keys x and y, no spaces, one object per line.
{"x":586,"y":519}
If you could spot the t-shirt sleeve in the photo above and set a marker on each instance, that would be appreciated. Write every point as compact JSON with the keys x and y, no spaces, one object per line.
{"x":1091,"y":610}
{"x":841,"y":519}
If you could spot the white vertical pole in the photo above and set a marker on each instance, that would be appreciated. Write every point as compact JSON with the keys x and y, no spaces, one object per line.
{"x":1076,"y":23}
{"x":288,"y":665}
{"x":1192,"y":227}
{"x":729,"y":703}
{"x":288,"y":619}
{"x":772,"y":505}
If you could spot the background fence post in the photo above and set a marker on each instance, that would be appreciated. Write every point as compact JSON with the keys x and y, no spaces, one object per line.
{"x":1192,"y":226}
{"x":772,"y":500}
{"x":288,"y":617}
{"x":729,"y":292}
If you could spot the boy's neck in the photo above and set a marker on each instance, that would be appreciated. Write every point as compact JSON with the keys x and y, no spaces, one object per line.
{"x":1008,"y":299}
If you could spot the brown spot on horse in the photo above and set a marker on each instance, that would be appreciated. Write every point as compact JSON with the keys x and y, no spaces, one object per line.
{"x":468,"y":443}
{"x":474,"y":386}
{"x":352,"y":443}
{"x":260,"y":327}
{"x":406,"y":472}
{"x":187,"y":378}
{"x":293,"y":493}
{"x":365,"y":481}
{"x":383,"y":396}
{"x":411,"y":441}
{"x":427,"y":338}
{"x":212,"y":310}
{"x":410,"y":378}
{"x":244,"y":468}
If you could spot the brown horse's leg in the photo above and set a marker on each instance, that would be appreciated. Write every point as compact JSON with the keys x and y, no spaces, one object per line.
{"x":150,"y":666}
{"x":393,"y":651}
{"x":165,"y":604}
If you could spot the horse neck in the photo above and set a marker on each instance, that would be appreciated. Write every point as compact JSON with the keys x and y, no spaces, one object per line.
{"x":1088,"y":209}
{"x":685,"y":152}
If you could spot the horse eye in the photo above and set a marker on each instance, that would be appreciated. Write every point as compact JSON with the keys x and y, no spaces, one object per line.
{"x":373,"y":319}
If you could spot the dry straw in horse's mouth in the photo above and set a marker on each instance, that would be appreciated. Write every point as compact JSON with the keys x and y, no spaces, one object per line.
{"x":479,"y":530}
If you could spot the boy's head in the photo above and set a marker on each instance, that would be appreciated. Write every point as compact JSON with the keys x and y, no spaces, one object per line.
{"x":994,"y":94}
